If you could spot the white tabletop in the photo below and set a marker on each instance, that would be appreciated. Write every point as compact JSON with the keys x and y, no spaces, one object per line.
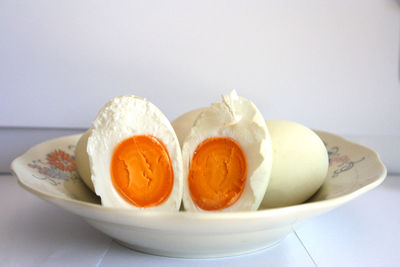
{"x":364,"y":232}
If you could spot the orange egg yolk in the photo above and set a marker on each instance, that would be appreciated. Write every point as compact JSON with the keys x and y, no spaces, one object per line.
{"x":217,"y":173}
{"x":141,"y":171}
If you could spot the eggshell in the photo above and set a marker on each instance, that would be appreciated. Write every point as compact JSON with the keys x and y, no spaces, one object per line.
{"x":82,"y":160}
{"x":300,"y":164}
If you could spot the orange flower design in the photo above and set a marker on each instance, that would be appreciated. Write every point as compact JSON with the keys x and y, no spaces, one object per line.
{"x":61,"y":160}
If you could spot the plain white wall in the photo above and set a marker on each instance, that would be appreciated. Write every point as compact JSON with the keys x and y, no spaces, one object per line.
{"x":331,"y":65}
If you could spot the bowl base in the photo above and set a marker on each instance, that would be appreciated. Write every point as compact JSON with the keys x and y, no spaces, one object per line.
{"x":197,"y":255}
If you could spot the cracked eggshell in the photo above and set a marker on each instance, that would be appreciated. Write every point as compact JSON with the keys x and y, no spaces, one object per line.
{"x":123,"y":117}
{"x":239,"y":119}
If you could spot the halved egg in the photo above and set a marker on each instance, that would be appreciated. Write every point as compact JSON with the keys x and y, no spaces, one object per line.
{"x":131,"y":156}
{"x":227,"y":157}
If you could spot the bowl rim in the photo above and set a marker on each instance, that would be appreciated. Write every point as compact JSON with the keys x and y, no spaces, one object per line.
{"x":322,"y":204}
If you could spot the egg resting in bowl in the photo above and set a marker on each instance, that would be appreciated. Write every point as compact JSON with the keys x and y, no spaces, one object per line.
{"x":227,"y":157}
{"x":131,"y":156}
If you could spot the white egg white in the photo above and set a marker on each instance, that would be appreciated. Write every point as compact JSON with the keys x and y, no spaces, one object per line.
{"x":123,"y":117}
{"x":240,"y":120}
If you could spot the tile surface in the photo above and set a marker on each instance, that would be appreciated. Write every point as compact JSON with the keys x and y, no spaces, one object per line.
{"x":364,"y":232}
{"x":36,"y":233}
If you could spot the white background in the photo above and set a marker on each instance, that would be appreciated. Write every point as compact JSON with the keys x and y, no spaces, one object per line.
{"x":331,"y":65}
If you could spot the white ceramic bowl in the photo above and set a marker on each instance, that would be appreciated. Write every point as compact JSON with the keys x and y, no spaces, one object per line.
{"x":49,"y":171}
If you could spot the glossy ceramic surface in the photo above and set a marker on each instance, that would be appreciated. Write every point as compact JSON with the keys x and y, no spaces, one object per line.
{"x":49,"y":171}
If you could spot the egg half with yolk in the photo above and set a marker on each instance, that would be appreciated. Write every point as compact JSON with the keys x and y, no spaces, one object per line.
{"x":131,"y":156}
{"x":227,"y":157}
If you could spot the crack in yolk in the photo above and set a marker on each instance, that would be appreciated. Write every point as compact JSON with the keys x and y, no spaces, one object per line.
{"x":141,"y":171}
{"x":217,"y":173}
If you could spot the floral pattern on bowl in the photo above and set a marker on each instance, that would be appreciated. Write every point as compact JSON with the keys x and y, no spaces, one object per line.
{"x":58,"y":165}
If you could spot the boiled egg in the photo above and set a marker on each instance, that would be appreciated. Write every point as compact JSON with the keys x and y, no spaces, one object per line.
{"x":131,"y":156}
{"x":300,"y":164}
{"x":300,"y":160}
{"x":227,"y":157}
